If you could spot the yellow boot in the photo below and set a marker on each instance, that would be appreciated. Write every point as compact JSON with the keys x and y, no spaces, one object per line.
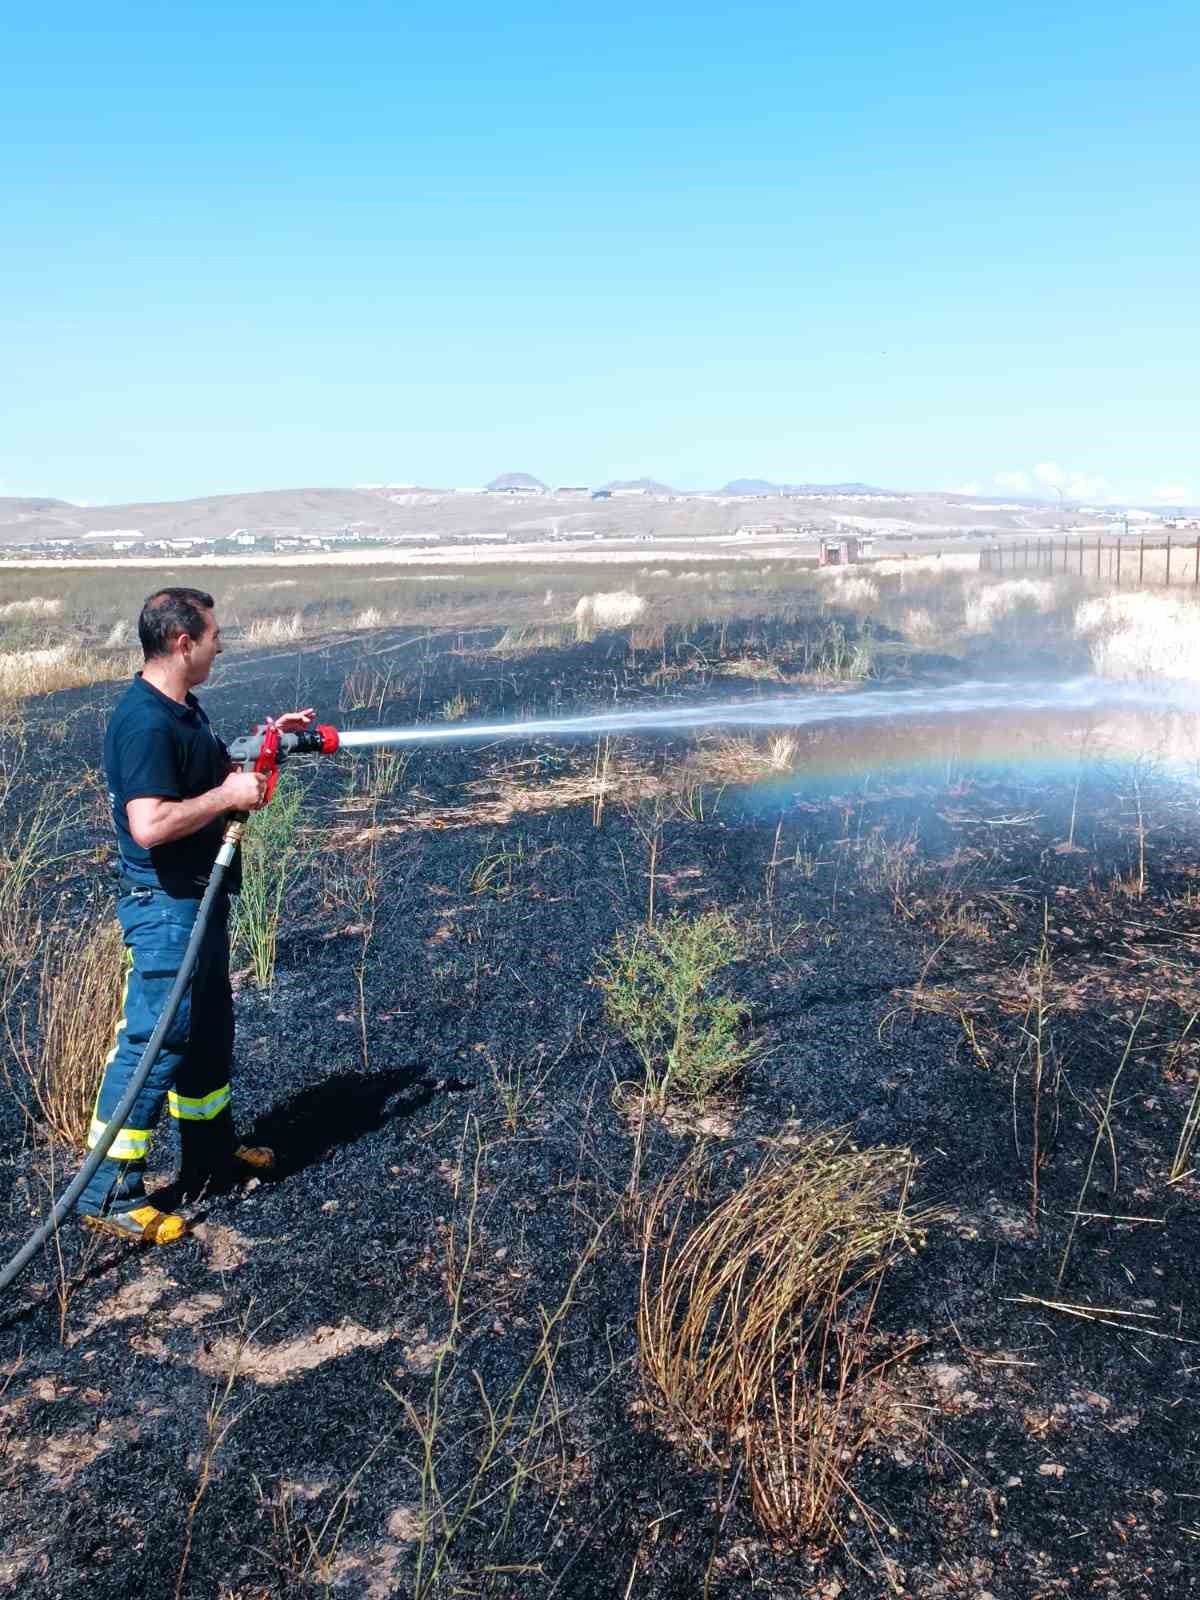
{"x":144,"y":1225}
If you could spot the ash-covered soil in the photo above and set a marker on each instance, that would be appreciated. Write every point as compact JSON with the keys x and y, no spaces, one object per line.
{"x":426,"y":1320}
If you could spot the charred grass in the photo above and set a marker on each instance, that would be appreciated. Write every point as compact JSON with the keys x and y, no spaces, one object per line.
{"x":455,"y":1350}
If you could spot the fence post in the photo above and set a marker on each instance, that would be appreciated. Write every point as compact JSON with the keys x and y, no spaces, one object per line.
{"x":1141,"y":558}
{"x":1168,"y":561}
{"x":1196,"y":579}
{"x":1097,"y":555}
{"x":1120,"y":543}
{"x":1081,"y":555}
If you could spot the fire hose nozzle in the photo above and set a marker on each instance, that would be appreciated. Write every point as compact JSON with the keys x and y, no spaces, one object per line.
{"x":319,"y":741}
{"x":266,"y":749}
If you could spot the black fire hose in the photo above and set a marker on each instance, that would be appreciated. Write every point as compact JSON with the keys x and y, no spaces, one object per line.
{"x":116,"y":1122}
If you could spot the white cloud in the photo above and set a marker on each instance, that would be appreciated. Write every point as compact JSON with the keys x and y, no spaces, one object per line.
{"x":1047,"y":477}
{"x":1070,"y":484}
{"x":1171,"y":494}
{"x":1017,"y":481}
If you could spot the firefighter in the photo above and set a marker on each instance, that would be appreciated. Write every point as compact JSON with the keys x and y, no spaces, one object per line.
{"x":170,"y":785}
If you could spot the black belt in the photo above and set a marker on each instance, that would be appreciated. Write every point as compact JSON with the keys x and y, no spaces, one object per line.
{"x":129,"y":886}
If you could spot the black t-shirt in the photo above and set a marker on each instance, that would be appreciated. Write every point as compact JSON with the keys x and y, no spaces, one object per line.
{"x":156,"y":748}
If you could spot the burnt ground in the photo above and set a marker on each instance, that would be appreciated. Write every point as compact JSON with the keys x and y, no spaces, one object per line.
{"x":265,"y":1409}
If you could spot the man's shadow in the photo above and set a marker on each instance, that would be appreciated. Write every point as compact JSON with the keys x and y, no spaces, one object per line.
{"x":340,"y":1110}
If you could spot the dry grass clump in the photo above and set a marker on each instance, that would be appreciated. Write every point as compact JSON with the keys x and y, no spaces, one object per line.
{"x":616,"y":609}
{"x":754,"y":1326}
{"x":368,"y":617}
{"x":918,"y":625}
{"x":62,"y":666}
{"x":751,"y":666}
{"x":907,"y":568}
{"x":78,"y":1009}
{"x":524,"y":640}
{"x":1142,"y":635}
{"x":859,"y":594}
{"x":37,"y":605}
{"x":364,"y":689}
{"x":995,"y":601}
{"x":276,"y":630}
{"x":740,"y":758}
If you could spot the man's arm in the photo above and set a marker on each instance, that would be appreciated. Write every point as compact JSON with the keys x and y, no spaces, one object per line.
{"x":154,"y":821}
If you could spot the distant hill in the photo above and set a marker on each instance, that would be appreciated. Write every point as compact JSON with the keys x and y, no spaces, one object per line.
{"x":516,"y":480}
{"x":418,"y":512}
{"x":24,"y":505}
{"x":834,"y":488}
{"x":650,"y":485}
{"x":748,"y":488}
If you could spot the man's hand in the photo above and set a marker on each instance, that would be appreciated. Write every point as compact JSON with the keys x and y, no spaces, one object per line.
{"x":296,"y":721}
{"x":154,"y":822}
{"x":244,"y":791}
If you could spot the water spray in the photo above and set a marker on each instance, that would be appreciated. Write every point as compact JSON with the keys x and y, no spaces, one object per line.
{"x":796,"y":711}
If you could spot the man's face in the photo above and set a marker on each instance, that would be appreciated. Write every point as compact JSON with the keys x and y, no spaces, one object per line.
{"x":199,"y":654}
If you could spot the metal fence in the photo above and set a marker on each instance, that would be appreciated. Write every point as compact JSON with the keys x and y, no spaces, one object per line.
{"x":1132,"y":561}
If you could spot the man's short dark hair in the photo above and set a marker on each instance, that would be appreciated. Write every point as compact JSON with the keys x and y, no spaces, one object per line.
{"x":169,"y":612}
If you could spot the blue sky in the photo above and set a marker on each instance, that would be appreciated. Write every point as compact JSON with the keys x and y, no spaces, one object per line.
{"x":254,"y":245}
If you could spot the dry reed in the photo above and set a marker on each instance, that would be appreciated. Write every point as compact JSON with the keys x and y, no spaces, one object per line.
{"x":754,"y":1326}
{"x":78,"y":1009}
{"x":24,"y":673}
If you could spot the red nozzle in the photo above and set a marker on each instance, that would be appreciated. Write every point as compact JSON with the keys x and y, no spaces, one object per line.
{"x":329,"y":738}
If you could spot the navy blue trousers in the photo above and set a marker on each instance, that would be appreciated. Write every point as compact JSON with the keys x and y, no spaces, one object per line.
{"x":192,"y":1073}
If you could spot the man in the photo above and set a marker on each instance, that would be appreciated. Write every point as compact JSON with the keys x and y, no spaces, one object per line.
{"x":171,"y":788}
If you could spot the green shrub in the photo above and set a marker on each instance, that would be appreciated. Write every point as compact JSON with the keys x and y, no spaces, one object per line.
{"x":658,"y":991}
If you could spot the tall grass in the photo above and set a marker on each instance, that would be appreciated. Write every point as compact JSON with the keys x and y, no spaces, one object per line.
{"x":273,"y":857}
{"x":78,"y":1009}
{"x":31,"y":849}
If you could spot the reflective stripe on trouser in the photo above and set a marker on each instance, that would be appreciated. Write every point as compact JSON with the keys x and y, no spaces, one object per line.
{"x":202,"y":1109}
{"x":193,"y":1066}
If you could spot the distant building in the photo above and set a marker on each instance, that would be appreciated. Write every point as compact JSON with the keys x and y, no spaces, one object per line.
{"x":601,"y":494}
{"x":844,"y":549}
{"x":573,"y":489}
{"x":106,"y":535}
